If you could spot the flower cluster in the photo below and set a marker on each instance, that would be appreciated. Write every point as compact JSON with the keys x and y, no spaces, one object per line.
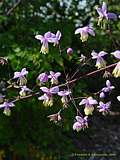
{"x":89,"y":106}
{"x":44,"y":77}
{"x":48,"y":83}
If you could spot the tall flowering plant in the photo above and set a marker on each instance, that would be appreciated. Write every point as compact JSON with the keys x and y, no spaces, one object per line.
{"x":49,"y":84}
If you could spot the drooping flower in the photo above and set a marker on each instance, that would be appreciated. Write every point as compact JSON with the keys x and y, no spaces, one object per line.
{"x":47,"y":99}
{"x":81,"y":123}
{"x":69,"y":51}
{"x":84,"y":31}
{"x":21,"y":76}
{"x":104,"y":14}
{"x":48,"y":36}
{"x":88,"y":102}
{"x":116,"y":54}
{"x":104,"y":107}
{"x":54,"y":77}
{"x":100,"y":63}
{"x":64,"y":98}
{"x":42,"y":78}
{"x":107,"y":74}
{"x":24,"y":90}
{"x":48,"y":95}
{"x":116,"y":71}
{"x":55,"y":117}
{"x":7,"y":106}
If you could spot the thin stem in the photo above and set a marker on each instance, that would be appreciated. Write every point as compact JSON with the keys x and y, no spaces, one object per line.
{"x":70,"y":82}
{"x":89,"y":74}
{"x":13,"y":8}
{"x":77,"y":70}
{"x":25,"y":97}
{"x":70,"y":95}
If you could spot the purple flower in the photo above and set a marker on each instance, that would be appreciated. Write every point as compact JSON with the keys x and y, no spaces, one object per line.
{"x":64,"y":93}
{"x":24,"y":89}
{"x":81,"y":123}
{"x":84,"y":31}
{"x":47,"y":97}
{"x":43,"y":97}
{"x":50,"y":91}
{"x":54,"y":77}
{"x":7,"y":106}
{"x":43,"y":77}
{"x":116,"y":54}
{"x":108,"y":87}
{"x":44,"y":40}
{"x":20,"y":74}
{"x":56,"y":39}
{"x":21,"y":77}
{"x":69,"y":51}
{"x":104,"y":107}
{"x":103,"y":13}
{"x":100,"y":63}
{"x":88,"y":102}
{"x":64,"y":98}
{"x":102,"y":95}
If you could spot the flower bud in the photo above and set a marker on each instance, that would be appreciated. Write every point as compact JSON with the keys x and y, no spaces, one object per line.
{"x":69,"y":51}
{"x":42,"y":78}
{"x":102,"y":95}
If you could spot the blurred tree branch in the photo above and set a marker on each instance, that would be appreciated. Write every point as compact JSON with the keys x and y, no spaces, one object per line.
{"x":13,"y":8}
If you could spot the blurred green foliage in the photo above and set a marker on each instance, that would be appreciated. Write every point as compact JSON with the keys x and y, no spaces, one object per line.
{"x":28,"y":133}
